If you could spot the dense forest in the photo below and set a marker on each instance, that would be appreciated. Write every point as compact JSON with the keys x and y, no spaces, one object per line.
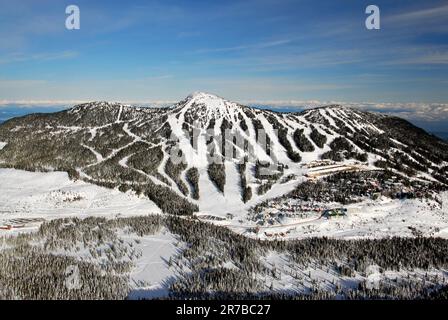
{"x":215,"y":264}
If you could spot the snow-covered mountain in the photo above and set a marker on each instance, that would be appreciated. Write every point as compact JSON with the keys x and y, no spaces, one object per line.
{"x":224,"y":147}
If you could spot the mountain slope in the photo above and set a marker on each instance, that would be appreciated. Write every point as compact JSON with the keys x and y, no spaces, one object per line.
{"x":208,"y":154}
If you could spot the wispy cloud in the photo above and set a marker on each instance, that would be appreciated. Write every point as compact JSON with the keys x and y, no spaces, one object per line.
{"x":267,"y":49}
{"x":290,"y":60}
{"x":151,"y":13}
{"x":428,"y":112}
{"x":21,"y":57}
{"x":23,"y":21}
{"x":39,"y":103}
{"x":427,"y":59}
{"x":259,"y":45}
{"x":70,"y":103}
{"x":156,"y":77}
{"x":439,"y":12}
{"x":20,"y":83}
{"x":411,"y":111}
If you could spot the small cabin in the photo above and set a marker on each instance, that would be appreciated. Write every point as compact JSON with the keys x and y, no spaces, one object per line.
{"x":337,"y":212}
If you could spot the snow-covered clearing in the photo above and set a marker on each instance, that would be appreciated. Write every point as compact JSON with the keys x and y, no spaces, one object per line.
{"x":151,"y":274}
{"x":53,"y":195}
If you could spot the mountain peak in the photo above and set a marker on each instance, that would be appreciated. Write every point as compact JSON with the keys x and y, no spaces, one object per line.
{"x":205,"y":107}
{"x":334,"y":108}
{"x":200,"y":97}
{"x":197,"y":94}
{"x":208,"y":101}
{"x":337,"y":107}
{"x":97,"y":105}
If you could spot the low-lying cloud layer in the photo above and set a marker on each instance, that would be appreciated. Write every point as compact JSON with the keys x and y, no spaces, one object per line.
{"x":414,"y":111}
{"x":411,"y":111}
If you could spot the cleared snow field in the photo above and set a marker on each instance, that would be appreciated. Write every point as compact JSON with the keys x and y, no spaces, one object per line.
{"x":53,"y":195}
{"x":151,"y":274}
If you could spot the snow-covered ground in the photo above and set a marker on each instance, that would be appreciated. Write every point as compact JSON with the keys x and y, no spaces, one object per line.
{"x":28,"y":195}
{"x":53,"y":195}
{"x":152,"y":273}
{"x":444,"y":197}
{"x":368,"y":219}
{"x":214,"y":202}
{"x":290,"y":277}
{"x":387,"y":218}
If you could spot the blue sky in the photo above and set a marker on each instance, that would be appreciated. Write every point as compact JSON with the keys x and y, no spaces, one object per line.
{"x":275,"y":51}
